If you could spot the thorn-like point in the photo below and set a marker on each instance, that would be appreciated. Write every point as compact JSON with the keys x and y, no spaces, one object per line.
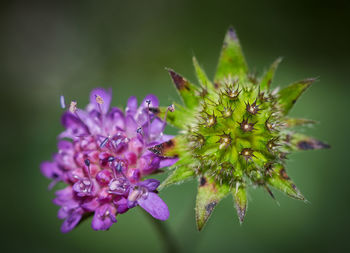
{"x":231,"y":32}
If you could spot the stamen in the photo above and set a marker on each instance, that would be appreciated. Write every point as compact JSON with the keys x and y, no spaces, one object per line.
{"x":119,"y":167}
{"x":139,"y":130}
{"x":87,"y":163}
{"x":170,"y":108}
{"x":99,"y":100}
{"x":104,"y":142}
{"x":73,"y":107}
{"x":134,"y":195}
{"x":148,"y":102}
{"x":118,"y":185}
{"x":111,"y":159}
{"x":62,"y":102}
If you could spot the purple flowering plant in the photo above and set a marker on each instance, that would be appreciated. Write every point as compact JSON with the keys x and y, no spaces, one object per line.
{"x":235,"y":134}
{"x":102,"y":160}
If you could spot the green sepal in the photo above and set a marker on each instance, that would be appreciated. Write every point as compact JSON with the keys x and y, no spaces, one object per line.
{"x":208,"y":196}
{"x":240,"y":197}
{"x":266,"y":80}
{"x":294,"y":122}
{"x":188,"y":91}
{"x":202,"y":76}
{"x":297,"y":142}
{"x":278,"y":178}
{"x":178,"y":118}
{"x":179,"y":175}
{"x":231,"y":61}
{"x":289,"y":95}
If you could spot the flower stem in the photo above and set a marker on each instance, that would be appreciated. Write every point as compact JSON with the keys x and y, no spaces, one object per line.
{"x":169,"y":243}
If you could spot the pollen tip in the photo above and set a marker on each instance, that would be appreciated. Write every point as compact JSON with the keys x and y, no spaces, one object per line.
{"x":73,"y":106}
{"x":171,"y":108}
{"x":87,"y":162}
{"x":99,"y":99}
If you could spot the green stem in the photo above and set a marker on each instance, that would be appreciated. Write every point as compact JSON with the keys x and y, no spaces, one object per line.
{"x":165,"y":236}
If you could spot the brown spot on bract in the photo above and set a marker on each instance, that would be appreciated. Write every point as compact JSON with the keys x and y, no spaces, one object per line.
{"x":284,"y":174}
{"x":203,"y":181}
{"x":241,"y":213}
{"x":311,"y":144}
{"x":209,"y":208}
{"x":180,"y":82}
{"x":288,"y":138}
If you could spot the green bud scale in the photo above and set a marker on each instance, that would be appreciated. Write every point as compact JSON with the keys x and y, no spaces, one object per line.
{"x":235,"y":132}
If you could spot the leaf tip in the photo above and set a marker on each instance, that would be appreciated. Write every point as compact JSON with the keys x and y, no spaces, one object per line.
{"x":231,"y":34}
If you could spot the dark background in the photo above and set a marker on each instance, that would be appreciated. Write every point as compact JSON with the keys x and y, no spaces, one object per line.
{"x":53,"y":48}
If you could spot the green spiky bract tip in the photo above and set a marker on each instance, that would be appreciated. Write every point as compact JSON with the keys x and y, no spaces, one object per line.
{"x":235,"y":132}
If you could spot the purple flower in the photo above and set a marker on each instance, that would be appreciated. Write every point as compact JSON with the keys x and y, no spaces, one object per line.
{"x":102,"y":158}
{"x":143,"y":194}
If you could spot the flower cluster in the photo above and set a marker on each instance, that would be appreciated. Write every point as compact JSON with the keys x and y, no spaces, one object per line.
{"x":102,"y":158}
{"x":235,"y":132}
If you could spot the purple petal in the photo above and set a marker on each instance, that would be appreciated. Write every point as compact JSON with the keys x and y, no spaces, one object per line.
{"x":150,"y":184}
{"x":155,"y":206}
{"x":90,"y":204}
{"x":104,"y":217}
{"x":131,"y":126}
{"x":106,"y":97}
{"x":152,"y":98}
{"x":71,"y":221}
{"x":74,"y":126}
{"x":67,"y":209}
{"x":142,"y":116}
{"x":167,"y":162}
{"x":50,"y":170}
{"x":131,"y":107}
{"x":162,"y":138}
{"x":65,"y":145}
{"x":157,"y":127}
{"x":149,"y":163}
{"x":63,"y":196}
{"x":122,"y":205}
{"x":115,"y":119}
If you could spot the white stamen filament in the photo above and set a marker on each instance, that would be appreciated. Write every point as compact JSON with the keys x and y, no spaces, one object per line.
{"x":62,"y":102}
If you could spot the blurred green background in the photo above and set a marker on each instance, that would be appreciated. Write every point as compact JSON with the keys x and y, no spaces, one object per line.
{"x":51,"y":48}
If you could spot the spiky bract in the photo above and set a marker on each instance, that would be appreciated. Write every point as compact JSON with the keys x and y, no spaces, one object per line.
{"x":235,"y":132}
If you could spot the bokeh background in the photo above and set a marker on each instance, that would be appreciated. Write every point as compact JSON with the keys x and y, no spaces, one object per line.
{"x":50,"y":48}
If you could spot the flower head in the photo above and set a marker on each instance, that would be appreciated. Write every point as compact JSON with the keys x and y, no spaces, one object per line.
{"x":235,"y":132}
{"x":103,"y":157}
